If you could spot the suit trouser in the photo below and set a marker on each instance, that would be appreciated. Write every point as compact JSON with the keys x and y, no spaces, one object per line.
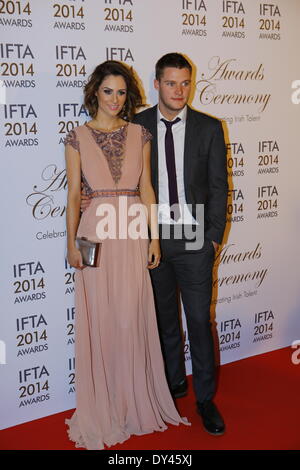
{"x":191,"y":272}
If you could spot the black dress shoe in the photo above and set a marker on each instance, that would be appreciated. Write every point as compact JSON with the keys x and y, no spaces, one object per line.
{"x":212,"y":420}
{"x":179,"y":390}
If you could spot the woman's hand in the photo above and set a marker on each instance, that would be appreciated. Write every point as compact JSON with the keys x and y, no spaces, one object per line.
{"x":75,"y":258}
{"x":154,"y":254}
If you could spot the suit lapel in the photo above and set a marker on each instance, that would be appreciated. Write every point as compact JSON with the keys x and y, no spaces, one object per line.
{"x":152,"y":126}
{"x":190,"y":138}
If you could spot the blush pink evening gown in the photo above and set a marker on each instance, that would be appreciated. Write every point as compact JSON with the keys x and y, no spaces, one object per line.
{"x":121,"y":388}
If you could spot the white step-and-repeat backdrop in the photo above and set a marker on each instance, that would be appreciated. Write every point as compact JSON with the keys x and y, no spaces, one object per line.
{"x":246,"y":58}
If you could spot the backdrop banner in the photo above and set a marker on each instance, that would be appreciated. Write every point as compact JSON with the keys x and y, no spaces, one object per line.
{"x":247,"y":73}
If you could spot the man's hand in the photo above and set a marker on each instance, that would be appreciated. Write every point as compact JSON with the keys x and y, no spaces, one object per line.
{"x":216,"y":245}
{"x":84,"y":201}
{"x":154,"y":254}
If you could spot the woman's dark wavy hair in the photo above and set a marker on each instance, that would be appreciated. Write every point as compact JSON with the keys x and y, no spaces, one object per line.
{"x":113,"y":67}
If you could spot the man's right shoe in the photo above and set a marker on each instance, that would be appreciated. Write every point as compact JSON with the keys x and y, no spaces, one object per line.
{"x":180,"y":390}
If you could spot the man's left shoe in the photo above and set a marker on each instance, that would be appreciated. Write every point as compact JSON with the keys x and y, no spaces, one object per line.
{"x":212,"y":420}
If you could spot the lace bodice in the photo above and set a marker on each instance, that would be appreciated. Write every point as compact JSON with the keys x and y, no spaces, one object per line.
{"x":112,"y":145}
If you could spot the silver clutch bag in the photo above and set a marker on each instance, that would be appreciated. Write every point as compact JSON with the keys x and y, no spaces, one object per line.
{"x":90,"y":252}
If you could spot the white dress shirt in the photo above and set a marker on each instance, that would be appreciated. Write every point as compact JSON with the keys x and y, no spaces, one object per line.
{"x":178,"y":131}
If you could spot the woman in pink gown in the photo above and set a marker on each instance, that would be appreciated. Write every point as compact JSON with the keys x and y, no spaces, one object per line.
{"x":121,"y":388}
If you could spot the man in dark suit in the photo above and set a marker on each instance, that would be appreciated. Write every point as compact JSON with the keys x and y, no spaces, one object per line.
{"x":188,"y":168}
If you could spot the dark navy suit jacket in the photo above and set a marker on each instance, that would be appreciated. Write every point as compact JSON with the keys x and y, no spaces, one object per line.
{"x":205,"y":167}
